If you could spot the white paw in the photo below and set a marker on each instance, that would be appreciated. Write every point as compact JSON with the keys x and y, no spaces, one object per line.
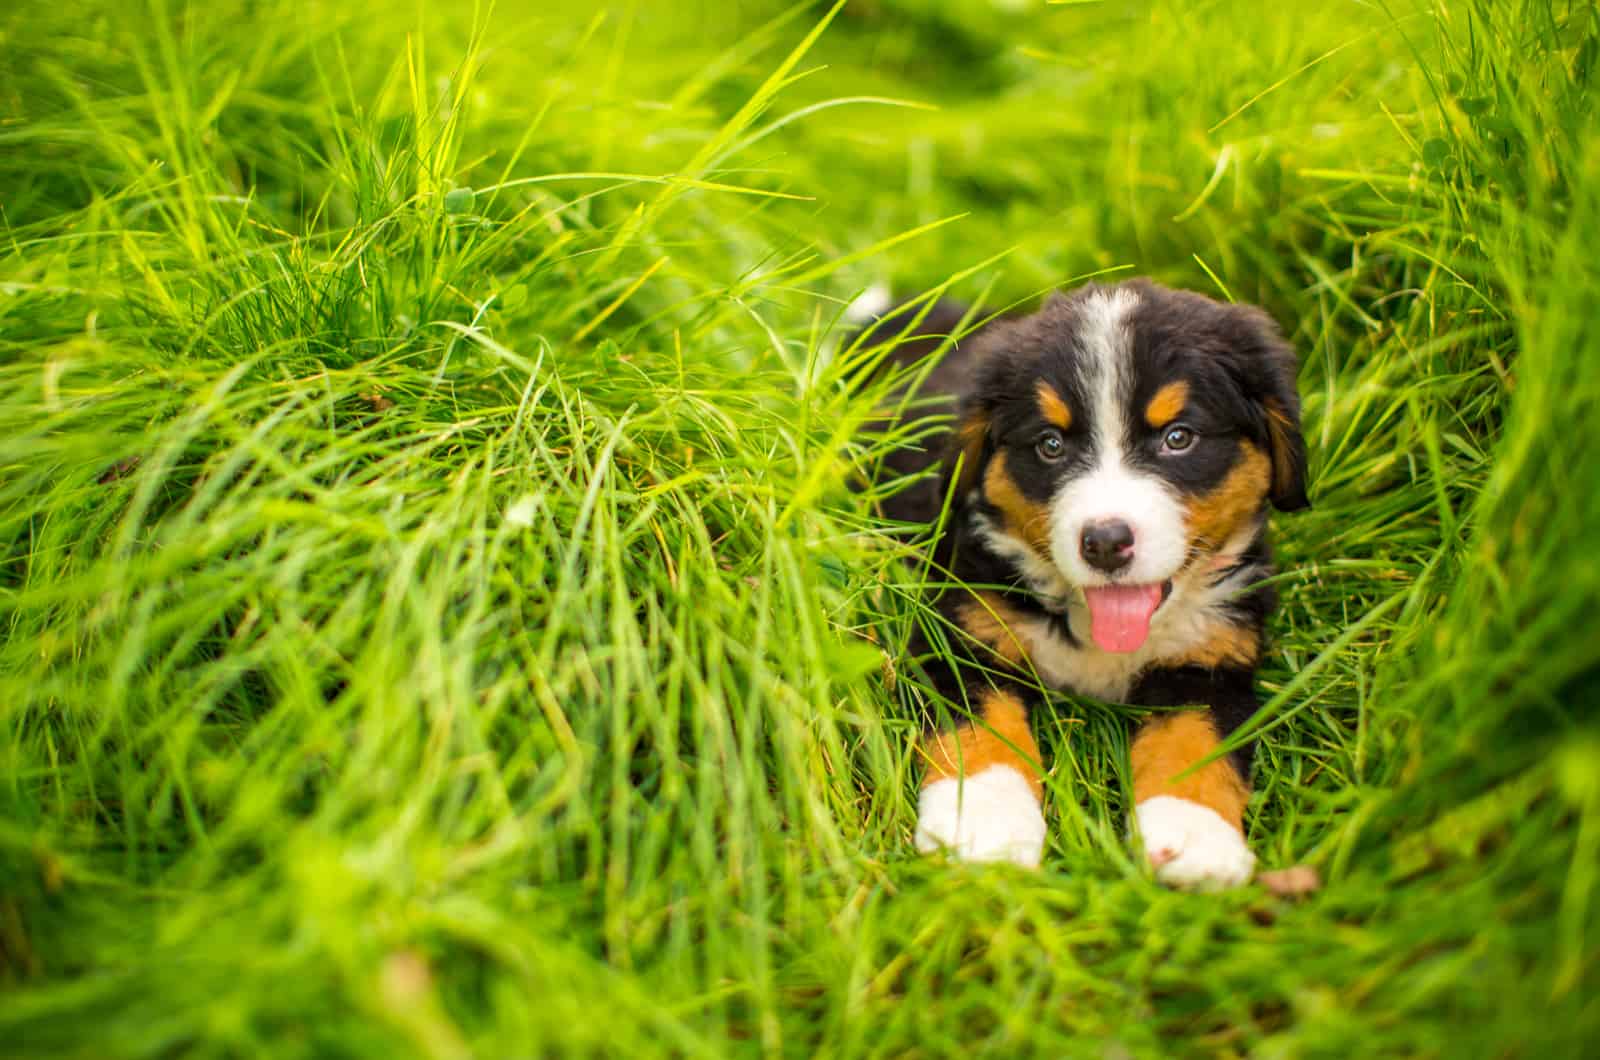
{"x":1191,"y":846}
{"x":990,"y":816}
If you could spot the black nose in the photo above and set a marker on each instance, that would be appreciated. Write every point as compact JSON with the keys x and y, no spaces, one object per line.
{"x":1107,"y":545}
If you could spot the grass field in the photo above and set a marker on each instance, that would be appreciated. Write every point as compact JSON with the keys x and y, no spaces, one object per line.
{"x":437,"y":619}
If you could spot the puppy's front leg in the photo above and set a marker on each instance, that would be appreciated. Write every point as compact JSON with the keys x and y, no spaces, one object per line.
{"x":981,"y":792}
{"x":1192,"y":820}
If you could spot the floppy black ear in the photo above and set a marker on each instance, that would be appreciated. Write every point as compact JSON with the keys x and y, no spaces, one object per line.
{"x":971,"y":449}
{"x":990,"y":380}
{"x":1267,"y":370}
{"x":974,"y":441}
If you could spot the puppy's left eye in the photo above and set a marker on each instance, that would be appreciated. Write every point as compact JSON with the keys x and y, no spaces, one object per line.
{"x":1050,"y":446}
{"x":1177,"y":439}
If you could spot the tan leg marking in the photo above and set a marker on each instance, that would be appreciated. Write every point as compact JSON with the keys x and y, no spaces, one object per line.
{"x":1002,"y":739}
{"x":1169,"y":744}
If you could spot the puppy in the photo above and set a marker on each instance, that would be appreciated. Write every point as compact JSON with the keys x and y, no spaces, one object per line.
{"x":1109,"y":474}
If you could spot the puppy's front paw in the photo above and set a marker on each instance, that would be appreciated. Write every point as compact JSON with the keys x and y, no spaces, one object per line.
{"x":990,"y":816}
{"x":1191,"y":846}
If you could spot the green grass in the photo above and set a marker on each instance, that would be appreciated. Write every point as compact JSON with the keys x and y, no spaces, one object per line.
{"x":437,"y":620}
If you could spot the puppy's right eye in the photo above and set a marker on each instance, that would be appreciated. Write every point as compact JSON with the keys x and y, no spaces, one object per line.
{"x":1178,"y":439}
{"x":1050,"y":446}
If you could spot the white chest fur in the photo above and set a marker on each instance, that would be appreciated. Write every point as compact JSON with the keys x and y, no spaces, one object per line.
{"x":1185,"y":622}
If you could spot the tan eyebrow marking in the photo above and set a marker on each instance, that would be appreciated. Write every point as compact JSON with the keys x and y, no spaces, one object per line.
{"x":1167,"y":403}
{"x":1052,"y":408}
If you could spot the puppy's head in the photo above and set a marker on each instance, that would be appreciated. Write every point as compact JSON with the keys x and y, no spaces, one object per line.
{"x":1123,"y":436}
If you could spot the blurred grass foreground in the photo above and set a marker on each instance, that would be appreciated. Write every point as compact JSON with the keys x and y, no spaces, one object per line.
{"x":436,"y":619}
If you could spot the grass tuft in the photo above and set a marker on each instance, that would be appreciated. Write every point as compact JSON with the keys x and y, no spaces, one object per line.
{"x":438,"y":620}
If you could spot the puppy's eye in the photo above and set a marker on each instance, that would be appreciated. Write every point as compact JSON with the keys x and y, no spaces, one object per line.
{"x":1050,"y":446}
{"x":1177,"y":439}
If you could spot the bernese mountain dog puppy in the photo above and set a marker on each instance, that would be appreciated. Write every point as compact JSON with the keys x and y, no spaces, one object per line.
{"x":1109,"y":470}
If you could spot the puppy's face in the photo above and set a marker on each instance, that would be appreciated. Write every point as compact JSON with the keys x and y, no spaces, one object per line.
{"x":1124,"y":436}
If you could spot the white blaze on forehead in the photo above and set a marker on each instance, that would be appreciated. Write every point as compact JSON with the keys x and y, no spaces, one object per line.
{"x":1107,"y":343}
{"x":1111,"y":489}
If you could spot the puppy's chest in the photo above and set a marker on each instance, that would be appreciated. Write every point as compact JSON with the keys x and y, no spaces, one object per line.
{"x":1071,"y":668}
{"x":1087,"y":670}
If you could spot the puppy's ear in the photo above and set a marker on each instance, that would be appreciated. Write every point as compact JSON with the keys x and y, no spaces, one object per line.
{"x":1267,"y":371}
{"x":972,"y":447}
{"x":990,"y":380}
{"x":1288,"y":449}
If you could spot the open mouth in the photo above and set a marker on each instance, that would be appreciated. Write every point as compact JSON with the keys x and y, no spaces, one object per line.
{"x":1119,"y":615}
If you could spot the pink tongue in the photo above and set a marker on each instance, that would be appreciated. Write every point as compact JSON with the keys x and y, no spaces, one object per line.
{"x":1119,"y":615}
